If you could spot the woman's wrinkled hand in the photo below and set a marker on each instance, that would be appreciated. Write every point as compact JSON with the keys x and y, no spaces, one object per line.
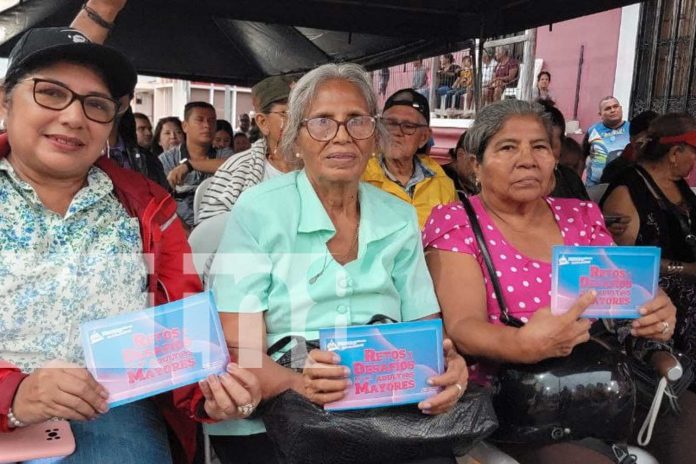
{"x":453,"y":381}
{"x":658,"y":319}
{"x":551,"y":336}
{"x":324,"y":380}
{"x":59,"y":389}
{"x":232,"y":395}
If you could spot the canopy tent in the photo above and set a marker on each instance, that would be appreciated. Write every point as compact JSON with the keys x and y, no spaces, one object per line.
{"x":240,"y":42}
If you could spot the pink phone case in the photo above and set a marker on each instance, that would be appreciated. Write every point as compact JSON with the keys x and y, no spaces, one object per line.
{"x":46,"y":440}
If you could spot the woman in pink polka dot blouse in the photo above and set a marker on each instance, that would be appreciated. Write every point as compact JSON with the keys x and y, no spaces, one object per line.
{"x":520,"y":225}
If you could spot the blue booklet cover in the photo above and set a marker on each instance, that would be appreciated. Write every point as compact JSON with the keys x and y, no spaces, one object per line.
{"x":140,"y":354}
{"x":389,"y":363}
{"x":624,"y":277}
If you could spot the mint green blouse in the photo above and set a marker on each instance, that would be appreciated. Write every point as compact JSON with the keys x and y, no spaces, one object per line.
{"x":273,"y":259}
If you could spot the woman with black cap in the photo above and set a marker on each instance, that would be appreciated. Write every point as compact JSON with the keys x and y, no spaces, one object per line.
{"x":75,"y":230}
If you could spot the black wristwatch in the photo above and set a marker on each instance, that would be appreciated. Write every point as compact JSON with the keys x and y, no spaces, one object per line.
{"x":188,"y":164}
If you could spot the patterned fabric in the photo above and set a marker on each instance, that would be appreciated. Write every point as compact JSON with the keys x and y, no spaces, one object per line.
{"x":606,"y":145}
{"x":184,"y":193}
{"x":57,"y":272}
{"x":420,"y":173}
{"x":237,"y":174}
{"x":526,"y":282}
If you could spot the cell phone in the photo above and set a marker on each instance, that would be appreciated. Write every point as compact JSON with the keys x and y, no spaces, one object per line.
{"x":46,"y":440}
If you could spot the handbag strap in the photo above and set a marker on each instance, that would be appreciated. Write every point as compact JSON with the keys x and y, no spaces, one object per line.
{"x":299,"y":340}
{"x":505,"y":316}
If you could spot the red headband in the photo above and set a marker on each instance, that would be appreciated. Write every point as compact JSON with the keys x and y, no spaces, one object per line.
{"x":688,"y":138}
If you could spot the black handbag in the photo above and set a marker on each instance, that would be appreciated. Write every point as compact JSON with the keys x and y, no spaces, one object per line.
{"x":304,"y":433}
{"x":590,"y":393}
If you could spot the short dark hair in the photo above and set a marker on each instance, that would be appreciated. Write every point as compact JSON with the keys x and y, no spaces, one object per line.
{"x":224,"y":125}
{"x":190,"y":106}
{"x":156,"y":148}
{"x":557,"y":119}
{"x":607,"y":98}
{"x":542,"y":73}
{"x":667,"y":125}
{"x":141,"y":116}
{"x":239,"y":134}
{"x":641,"y":122}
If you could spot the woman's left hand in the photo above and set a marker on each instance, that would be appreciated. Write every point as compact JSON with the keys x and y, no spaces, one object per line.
{"x":232,"y":395}
{"x":658,"y":319}
{"x":453,"y":381}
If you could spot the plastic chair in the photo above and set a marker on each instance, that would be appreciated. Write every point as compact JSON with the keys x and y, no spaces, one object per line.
{"x":198,"y":197}
{"x":596,"y":191}
{"x":205,"y":238}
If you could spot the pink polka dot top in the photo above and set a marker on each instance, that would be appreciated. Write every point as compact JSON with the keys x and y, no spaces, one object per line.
{"x":525,"y":282}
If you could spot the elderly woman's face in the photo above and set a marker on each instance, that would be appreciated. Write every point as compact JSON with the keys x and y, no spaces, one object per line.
{"x":518,"y":162}
{"x":342,"y":158}
{"x":56,"y":143}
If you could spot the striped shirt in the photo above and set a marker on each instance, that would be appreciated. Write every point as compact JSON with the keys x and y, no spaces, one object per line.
{"x":235,"y":175}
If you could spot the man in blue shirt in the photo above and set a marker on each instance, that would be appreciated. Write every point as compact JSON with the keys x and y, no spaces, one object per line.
{"x":607,"y":139}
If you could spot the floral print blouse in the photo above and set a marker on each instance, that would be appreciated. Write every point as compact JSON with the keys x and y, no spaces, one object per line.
{"x":59,"y":271}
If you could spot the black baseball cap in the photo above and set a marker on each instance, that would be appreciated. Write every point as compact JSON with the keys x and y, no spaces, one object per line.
{"x":409,"y":97}
{"x":52,"y":44}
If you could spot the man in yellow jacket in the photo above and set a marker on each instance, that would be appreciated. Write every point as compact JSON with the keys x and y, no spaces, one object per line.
{"x":403,"y":170}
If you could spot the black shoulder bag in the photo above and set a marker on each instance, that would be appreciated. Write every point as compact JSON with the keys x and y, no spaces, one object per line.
{"x":559,"y":399}
{"x":304,"y":433}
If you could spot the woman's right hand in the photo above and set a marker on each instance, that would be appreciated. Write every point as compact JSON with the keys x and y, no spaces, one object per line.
{"x":550,"y":336}
{"x":232,"y":395}
{"x":59,"y":389}
{"x":324,"y":381}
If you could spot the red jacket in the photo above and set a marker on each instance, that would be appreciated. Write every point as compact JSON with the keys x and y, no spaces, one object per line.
{"x":165,"y":241}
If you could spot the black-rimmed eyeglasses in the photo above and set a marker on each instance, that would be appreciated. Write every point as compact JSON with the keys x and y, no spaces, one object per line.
{"x":53,"y":95}
{"x":323,"y":129}
{"x":406,"y":127}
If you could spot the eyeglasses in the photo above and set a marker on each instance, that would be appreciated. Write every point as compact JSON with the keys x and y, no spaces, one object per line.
{"x":323,"y":129}
{"x":56,"y":96}
{"x":406,"y":127}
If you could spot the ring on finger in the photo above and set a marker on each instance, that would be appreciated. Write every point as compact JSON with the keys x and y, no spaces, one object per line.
{"x":665,"y":327}
{"x":461,"y":390}
{"x":245,"y":409}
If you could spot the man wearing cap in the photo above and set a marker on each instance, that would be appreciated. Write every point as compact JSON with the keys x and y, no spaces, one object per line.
{"x":260,"y":162}
{"x":403,"y":169}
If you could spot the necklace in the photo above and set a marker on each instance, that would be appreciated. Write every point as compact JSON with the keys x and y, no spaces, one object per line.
{"x":337,"y":258}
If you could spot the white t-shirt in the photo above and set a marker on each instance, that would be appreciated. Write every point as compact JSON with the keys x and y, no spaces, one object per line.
{"x":270,"y":171}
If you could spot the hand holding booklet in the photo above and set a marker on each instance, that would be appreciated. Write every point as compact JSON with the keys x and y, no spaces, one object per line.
{"x":390,"y":364}
{"x":624,"y":277}
{"x":143,"y":353}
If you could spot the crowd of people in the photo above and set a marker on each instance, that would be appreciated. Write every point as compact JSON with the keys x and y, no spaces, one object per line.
{"x":334,"y":214}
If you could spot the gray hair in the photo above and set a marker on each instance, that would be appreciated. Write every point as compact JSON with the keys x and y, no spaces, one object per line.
{"x":491,"y":119}
{"x":304,"y":91}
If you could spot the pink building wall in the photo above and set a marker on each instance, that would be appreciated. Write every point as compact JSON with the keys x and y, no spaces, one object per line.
{"x":560,"y":50}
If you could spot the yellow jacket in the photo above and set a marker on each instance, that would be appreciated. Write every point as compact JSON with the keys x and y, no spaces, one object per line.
{"x":429,"y":193}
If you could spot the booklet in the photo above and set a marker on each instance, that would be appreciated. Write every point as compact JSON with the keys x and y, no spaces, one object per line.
{"x":140,"y":354}
{"x":390,"y":364}
{"x":624,"y":277}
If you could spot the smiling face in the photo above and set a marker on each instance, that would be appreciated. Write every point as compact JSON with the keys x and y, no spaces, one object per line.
{"x":518,"y":163}
{"x":341,"y":159}
{"x":55,"y":144}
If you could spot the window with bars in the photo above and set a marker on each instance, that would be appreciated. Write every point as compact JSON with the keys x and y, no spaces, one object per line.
{"x":665,"y":72}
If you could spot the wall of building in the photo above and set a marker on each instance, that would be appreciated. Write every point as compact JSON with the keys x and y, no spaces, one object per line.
{"x":560,"y":50}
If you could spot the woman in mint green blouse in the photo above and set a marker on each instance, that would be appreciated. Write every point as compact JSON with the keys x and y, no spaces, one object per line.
{"x":318,"y":248}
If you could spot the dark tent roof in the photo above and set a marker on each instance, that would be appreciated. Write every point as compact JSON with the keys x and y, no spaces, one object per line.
{"x":242,"y":41}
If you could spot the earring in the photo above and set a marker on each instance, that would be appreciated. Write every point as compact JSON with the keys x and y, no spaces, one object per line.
{"x":106,"y":150}
{"x":2,"y":125}
{"x":298,"y":155}
{"x":373,"y":155}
